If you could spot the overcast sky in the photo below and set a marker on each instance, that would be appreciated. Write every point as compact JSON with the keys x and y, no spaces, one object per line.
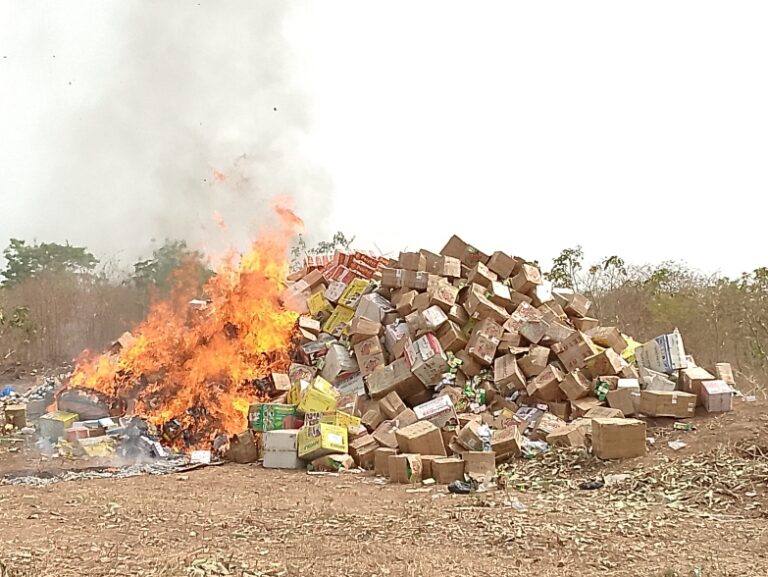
{"x":637,"y":129}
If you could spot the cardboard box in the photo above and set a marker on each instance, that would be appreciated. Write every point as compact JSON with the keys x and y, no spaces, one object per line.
{"x":338,"y":322}
{"x":426,"y":359}
{"x":482,"y":275}
{"x":447,"y":470}
{"x":405,"y":468}
{"x":264,"y":417}
{"x":507,"y":444}
{"x":372,"y":418}
{"x":381,"y":461}
{"x":369,"y":355}
{"x":578,"y":306}
{"x":574,"y":351}
{"x":535,"y":361}
{"x":354,"y":385}
{"x":507,"y":375}
{"x":362,"y":450}
{"x":572,"y":435}
{"x":432,"y":319}
{"x":439,"y":411}
{"x":422,"y":437}
{"x":527,"y":279}
{"x":480,"y":307}
{"x":332,"y":463}
{"x":575,"y":385}
{"x":604,"y":413}
{"x":469,"y":437}
{"x":621,"y":399}
{"x":609,"y":337}
{"x":361,"y":328}
{"x":654,"y":381}
{"x":618,"y":438}
{"x":373,"y":307}
{"x":546,"y":385}
{"x":412,"y":261}
{"x":479,"y":463}
{"x":340,"y":419}
{"x":561,"y":409}
{"x":331,"y":439}
{"x":426,"y":464}
{"x":664,"y":354}
{"x":724,"y":372}
{"x":396,"y":339}
{"x":404,"y":305}
{"x":385,"y":434}
{"x":16,"y":416}
{"x":534,"y":331}
{"x":667,"y":404}
{"x":280,"y":449}
{"x":716,"y":396}
{"x":317,"y":401}
{"x":459,"y":315}
{"x":466,"y":253}
{"x":451,"y":337}
{"x":546,"y":424}
{"x":391,"y":405}
{"x":339,"y":364}
{"x":581,"y":407}
{"x":690,"y":380}
{"x":606,"y":363}
{"x":469,"y":366}
{"x":585,"y":324}
{"x":502,"y":264}
{"x":52,"y":426}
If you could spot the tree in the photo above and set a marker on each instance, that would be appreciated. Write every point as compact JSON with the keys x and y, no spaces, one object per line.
{"x":158,"y":271}
{"x":30,"y":260}
{"x":339,"y":241}
{"x":565,"y":268}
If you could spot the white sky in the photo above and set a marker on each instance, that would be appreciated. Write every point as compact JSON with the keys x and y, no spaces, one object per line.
{"x":638,"y":129}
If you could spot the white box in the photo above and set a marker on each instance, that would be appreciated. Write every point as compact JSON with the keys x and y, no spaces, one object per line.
{"x":716,"y":396}
{"x":280,"y":449}
{"x":664,"y":354}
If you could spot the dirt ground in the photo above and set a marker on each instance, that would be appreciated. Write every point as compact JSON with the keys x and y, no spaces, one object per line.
{"x":699,"y":511}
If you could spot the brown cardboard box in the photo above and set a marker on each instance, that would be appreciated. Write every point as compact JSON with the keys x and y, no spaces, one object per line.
{"x":527,"y":279}
{"x":500,"y":295}
{"x":482,"y":348}
{"x":391,"y":405}
{"x":502,"y":264}
{"x":412,"y":261}
{"x":361,"y":328}
{"x":578,"y":306}
{"x":479,"y":306}
{"x":667,"y":404}
{"x":407,"y":417}
{"x":426,"y":465}
{"x":419,"y":398}
{"x":561,"y":409}
{"x":604,"y":413}
{"x":451,"y":337}
{"x":381,"y":460}
{"x":369,"y":355}
{"x":609,"y":337}
{"x":482,"y":275}
{"x":716,"y":396}
{"x":546,"y":385}
{"x":581,"y":407}
{"x":381,"y":382}
{"x":362,"y":450}
{"x":469,"y":366}
{"x":521,"y":315}
{"x":372,"y":418}
{"x":444,"y":296}
{"x":354,"y":432}
{"x":432,"y":319}
{"x":396,"y":339}
{"x":546,"y":424}
{"x":458,"y":314}
{"x":572,"y":435}
{"x":385,"y":434}
{"x":405,"y":468}
{"x":435,"y":262}
{"x":724,"y":372}
{"x":438,"y":411}
{"x":447,"y":470}
{"x":466,"y":253}
{"x":534,"y":331}
{"x":478,"y":463}
{"x":405,"y":304}
{"x":469,"y":437}
{"x":507,"y":444}
{"x":422,"y":437}
{"x":618,"y":438}
{"x":606,"y":363}
{"x":576,"y":385}
{"x":557,"y":332}
{"x":535,"y":361}
{"x":621,"y":399}
{"x":574,"y":351}
{"x":629,"y":372}
{"x":426,"y":359}
{"x":585,"y":324}
{"x":451,"y":267}
{"x":507,"y":376}
{"x":310,"y":325}
{"x":690,"y":380}
{"x":392,"y":277}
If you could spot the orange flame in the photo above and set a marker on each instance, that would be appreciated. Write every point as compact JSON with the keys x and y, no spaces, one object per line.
{"x":197,"y":366}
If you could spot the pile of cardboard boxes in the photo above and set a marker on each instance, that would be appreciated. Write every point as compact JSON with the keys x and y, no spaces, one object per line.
{"x":445,"y":365}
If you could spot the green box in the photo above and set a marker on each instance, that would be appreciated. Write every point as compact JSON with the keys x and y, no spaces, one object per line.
{"x":271,"y":416}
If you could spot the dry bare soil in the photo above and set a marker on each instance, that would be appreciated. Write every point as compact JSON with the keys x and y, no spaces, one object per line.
{"x":698,"y":511}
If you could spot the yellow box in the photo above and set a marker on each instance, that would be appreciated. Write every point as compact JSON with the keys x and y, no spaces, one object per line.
{"x":332,"y":439}
{"x":318,"y":304}
{"x":340,"y":419}
{"x":351,"y":295}
{"x":338,"y":323}
{"x":317,"y":401}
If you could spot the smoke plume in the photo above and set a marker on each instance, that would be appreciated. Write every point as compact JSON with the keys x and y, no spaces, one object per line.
{"x":193,"y":127}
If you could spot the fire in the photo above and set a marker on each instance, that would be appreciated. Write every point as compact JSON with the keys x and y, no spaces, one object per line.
{"x":193,"y":371}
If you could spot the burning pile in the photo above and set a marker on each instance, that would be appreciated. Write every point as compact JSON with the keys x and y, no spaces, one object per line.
{"x":193,"y":368}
